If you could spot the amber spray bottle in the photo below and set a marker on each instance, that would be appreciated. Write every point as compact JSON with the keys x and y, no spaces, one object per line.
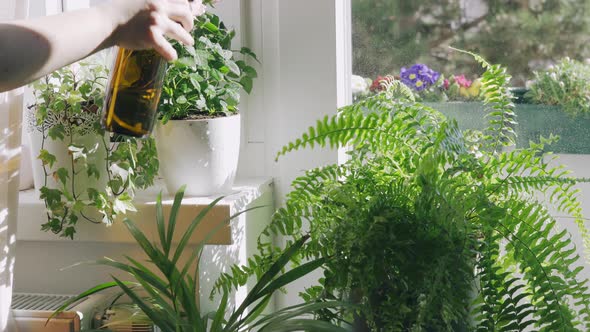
{"x":133,"y":92}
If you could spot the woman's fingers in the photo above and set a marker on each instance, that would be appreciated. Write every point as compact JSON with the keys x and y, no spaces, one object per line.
{"x":162,"y":46}
{"x":181,"y":12}
{"x":146,"y":23}
{"x":174,"y":30}
{"x":197,"y":8}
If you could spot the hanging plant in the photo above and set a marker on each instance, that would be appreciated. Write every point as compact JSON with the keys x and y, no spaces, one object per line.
{"x":83,"y":173}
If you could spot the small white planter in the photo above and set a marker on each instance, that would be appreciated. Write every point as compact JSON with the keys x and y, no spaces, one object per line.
{"x":201,"y":154}
{"x":81,"y":136}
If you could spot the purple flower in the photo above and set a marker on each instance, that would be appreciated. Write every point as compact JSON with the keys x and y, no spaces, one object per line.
{"x":419,"y":76}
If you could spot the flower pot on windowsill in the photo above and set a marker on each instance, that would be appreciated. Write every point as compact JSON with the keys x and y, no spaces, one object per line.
{"x":201,"y":154}
{"x":533,"y":120}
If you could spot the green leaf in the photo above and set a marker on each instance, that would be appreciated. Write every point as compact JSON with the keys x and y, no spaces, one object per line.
{"x":201,"y":58}
{"x":123,"y":203}
{"x":247,"y":83}
{"x":63,"y":175}
{"x":181,"y":100}
{"x":210,"y":27}
{"x":219,"y":315}
{"x":91,"y":291}
{"x":46,"y":158}
{"x":57,"y":131}
{"x":176,"y":205}
{"x":162,"y":321}
{"x":302,"y":325}
{"x":249,"y":52}
{"x":186,"y":62}
{"x":233,"y":67}
{"x":161,"y":223}
{"x":291,"y":276}
{"x":92,"y":171}
{"x":250,"y":71}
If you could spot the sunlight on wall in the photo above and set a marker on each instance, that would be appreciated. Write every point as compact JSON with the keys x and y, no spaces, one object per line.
{"x":11,"y":105}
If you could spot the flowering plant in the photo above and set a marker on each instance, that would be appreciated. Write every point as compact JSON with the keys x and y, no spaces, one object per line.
{"x":428,"y":85}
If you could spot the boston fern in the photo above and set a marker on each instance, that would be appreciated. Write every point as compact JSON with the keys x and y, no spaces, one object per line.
{"x":433,"y":229}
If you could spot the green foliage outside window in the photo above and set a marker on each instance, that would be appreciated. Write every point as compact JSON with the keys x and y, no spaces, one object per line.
{"x":525,"y":34}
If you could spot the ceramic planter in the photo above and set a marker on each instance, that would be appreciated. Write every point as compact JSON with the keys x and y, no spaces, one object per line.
{"x":201,"y":154}
{"x":534,"y":121}
{"x":82,"y":134}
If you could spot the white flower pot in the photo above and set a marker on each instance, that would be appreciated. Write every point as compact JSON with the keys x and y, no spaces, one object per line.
{"x":81,"y":136}
{"x":201,"y":154}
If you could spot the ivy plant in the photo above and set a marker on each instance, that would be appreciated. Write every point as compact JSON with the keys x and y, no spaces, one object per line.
{"x":68,"y":103}
{"x":430,"y":228}
{"x":207,"y":78}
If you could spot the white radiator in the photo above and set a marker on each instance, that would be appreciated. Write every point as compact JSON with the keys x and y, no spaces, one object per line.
{"x":31,"y":311}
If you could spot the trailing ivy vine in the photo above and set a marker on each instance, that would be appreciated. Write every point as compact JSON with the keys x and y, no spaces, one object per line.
{"x":68,"y":103}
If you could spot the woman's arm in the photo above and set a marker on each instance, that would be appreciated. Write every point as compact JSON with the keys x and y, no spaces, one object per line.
{"x":30,"y":49}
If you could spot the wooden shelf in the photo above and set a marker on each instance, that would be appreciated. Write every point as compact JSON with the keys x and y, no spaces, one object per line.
{"x":31,"y":215}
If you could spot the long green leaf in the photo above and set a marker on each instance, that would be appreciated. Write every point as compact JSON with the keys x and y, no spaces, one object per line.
{"x":298,"y":310}
{"x":190,"y":230}
{"x":153,"y":253}
{"x":161,"y":224}
{"x":256,"y":311}
{"x":309,"y":325}
{"x":144,"y":273}
{"x":219,"y":315}
{"x":267,"y":277}
{"x":159,"y":320}
{"x":291,"y":276}
{"x":172,"y":219}
{"x":91,"y":291}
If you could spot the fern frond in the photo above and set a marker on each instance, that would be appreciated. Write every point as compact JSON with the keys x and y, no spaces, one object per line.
{"x":495,"y":83}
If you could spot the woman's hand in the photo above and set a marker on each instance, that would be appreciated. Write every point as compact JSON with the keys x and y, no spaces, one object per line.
{"x":141,"y":24}
{"x":59,"y":40}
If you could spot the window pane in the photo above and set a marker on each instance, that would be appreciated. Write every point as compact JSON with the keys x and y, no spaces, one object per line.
{"x":523,"y":35}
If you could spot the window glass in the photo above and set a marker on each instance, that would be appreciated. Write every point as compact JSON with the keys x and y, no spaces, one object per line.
{"x":523,"y":35}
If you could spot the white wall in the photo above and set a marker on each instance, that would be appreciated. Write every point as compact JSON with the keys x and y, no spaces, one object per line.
{"x":304,"y":48}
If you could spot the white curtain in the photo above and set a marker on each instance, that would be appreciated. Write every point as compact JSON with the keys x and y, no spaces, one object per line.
{"x":11,"y":106}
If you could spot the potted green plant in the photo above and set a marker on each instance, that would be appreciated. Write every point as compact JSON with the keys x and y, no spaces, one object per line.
{"x":558,"y":102}
{"x":199,"y":137}
{"x":169,"y":297}
{"x":431,"y":228}
{"x":79,"y":173}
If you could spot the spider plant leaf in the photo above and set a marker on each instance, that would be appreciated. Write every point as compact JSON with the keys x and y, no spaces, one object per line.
{"x":161,"y":223}
{"x":91,"y":291}
{"x":191,"y":228}
{"x":297,"y":311}
{"x":303,"y":325}
{"x":172,"y":219}
{"x":267,"y":277}
{"x":291,"y":276}
{"x":219,"y":315}
{"x":159,"y":319}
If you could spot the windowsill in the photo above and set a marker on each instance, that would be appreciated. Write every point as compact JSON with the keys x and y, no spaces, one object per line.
{"x":245,"y":192}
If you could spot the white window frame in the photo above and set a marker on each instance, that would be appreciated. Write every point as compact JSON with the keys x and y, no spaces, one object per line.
{"x":305,"y":53}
